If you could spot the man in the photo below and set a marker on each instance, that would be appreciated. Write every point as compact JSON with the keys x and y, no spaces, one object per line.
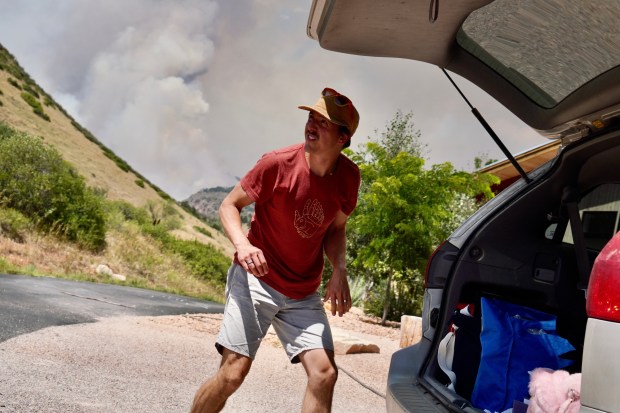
{"x":303,"y":195}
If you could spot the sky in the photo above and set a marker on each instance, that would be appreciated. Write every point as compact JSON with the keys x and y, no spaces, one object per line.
{"x":192,"y":92}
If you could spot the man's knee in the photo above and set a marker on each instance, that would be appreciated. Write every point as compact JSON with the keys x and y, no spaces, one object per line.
{"x":234,"y":369}
{"x":325,"y":377}
{"x":320,"y":368}
{"x":232,"y":379}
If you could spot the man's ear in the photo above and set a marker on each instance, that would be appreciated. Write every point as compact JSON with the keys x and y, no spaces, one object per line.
{"x":344,"y":137}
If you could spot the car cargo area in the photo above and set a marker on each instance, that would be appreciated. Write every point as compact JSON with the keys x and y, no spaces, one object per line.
{"x":544,"y":267}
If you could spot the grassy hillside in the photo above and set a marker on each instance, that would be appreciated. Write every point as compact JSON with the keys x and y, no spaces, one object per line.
{"x":131,"y":249}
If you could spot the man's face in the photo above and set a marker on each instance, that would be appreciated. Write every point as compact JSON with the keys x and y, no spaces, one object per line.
{"x":323,"y":135}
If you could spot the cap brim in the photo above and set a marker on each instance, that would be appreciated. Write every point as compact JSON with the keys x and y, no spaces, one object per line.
{"x":321,"y":111}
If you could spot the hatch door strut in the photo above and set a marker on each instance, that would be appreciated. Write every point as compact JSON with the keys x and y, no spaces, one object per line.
{"x":491,"y":132}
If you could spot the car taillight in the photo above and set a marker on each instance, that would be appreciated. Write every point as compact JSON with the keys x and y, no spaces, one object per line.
{"x":603,"y":299}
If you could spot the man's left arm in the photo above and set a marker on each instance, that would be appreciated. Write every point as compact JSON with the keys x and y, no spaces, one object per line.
{"x":335,"y":245}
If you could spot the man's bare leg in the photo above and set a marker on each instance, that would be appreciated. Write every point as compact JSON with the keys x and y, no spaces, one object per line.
{"x":322,"y":375}
{"x":212,"y":395}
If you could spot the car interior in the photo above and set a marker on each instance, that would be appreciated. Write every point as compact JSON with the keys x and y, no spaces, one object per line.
{"x":540,"y":266}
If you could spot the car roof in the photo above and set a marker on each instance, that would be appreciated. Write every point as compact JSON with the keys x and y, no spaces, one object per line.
{"x":555,"y":64}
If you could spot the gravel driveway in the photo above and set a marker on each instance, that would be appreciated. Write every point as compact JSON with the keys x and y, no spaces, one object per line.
{"x":155,"y":364}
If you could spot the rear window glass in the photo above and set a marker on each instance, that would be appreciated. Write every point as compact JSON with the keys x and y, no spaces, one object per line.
{"x":546,"y":48}
{"x":600,"y":216}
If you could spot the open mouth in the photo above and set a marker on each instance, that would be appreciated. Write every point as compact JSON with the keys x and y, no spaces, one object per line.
{"x":311,"y":136}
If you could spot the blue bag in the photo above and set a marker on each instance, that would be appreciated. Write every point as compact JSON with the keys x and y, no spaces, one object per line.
{"x":515,"y":340}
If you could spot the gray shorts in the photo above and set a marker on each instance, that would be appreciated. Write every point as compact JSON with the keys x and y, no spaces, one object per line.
{"x":252,"y":306}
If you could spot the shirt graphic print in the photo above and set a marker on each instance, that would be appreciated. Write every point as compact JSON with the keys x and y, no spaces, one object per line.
{"x":310,"y":220}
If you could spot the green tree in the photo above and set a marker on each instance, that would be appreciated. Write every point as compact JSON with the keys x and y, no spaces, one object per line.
{"x":483,"y":160}
{"x":404,"y":211}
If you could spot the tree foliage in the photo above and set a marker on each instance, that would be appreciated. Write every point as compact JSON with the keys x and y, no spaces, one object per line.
{"x":404,"y":211}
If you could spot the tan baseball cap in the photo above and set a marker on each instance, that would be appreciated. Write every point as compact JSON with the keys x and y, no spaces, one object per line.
{"x":337,"y":108}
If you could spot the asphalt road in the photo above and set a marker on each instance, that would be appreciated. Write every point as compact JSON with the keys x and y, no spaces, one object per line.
{"x":109,"y":350}
{"x":28,"y":304}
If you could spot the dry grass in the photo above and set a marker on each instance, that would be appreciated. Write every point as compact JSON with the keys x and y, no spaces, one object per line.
{"x":43,"y":255}
{"x":128,"y":253}
{"x":134,"y":255}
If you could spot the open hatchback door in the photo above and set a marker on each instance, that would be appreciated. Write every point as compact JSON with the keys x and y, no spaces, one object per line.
{"x":556,"y":65}
{"x":553,"y":63}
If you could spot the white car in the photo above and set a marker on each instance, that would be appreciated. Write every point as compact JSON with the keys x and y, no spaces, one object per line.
{"x":555,"y":65}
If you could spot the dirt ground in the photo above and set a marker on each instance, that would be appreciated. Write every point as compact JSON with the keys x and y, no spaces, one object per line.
{"x":155,"y":364}
{"x":355,"y":322}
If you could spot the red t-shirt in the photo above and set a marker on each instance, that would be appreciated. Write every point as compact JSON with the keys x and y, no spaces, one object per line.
{"x":293,"y":210}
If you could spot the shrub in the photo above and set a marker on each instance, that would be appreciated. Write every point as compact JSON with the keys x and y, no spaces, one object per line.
{"x":29,"y":89}
{"x":162,"y":194}
{"x":164,"y":214}
{"x":5,"y":131}
{"x":118,"y":161}
{"x":205,"y":261}
{"x":139,"y":182}
{"x":172,"y":222}
{"x":35,"y":105}
{"x":129,"y":212}
{"x":14,"y":83}
{"x":35,"y":180}
{"x":404,"y":300}
{"x":203,"y":231}
{"x":8,"y":268}
{"x":358,"y":287}
{"x":169,"y":210}
{"x":87,"y":134}
{"x":13,"y":224}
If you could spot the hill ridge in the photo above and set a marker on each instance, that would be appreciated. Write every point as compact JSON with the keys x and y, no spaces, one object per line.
{"x":26,"y":107}
{"x":208,"y":200}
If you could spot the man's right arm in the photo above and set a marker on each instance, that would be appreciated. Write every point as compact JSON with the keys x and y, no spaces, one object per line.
{"x":250,"y":257}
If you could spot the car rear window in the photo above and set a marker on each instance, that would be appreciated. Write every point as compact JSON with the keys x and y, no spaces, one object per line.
{"x":600,"y":216}
{"x":546,"y":48}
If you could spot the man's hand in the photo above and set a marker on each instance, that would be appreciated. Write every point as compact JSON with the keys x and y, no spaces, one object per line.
{"x":252,"y":260}
{"x":337,"y":292}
